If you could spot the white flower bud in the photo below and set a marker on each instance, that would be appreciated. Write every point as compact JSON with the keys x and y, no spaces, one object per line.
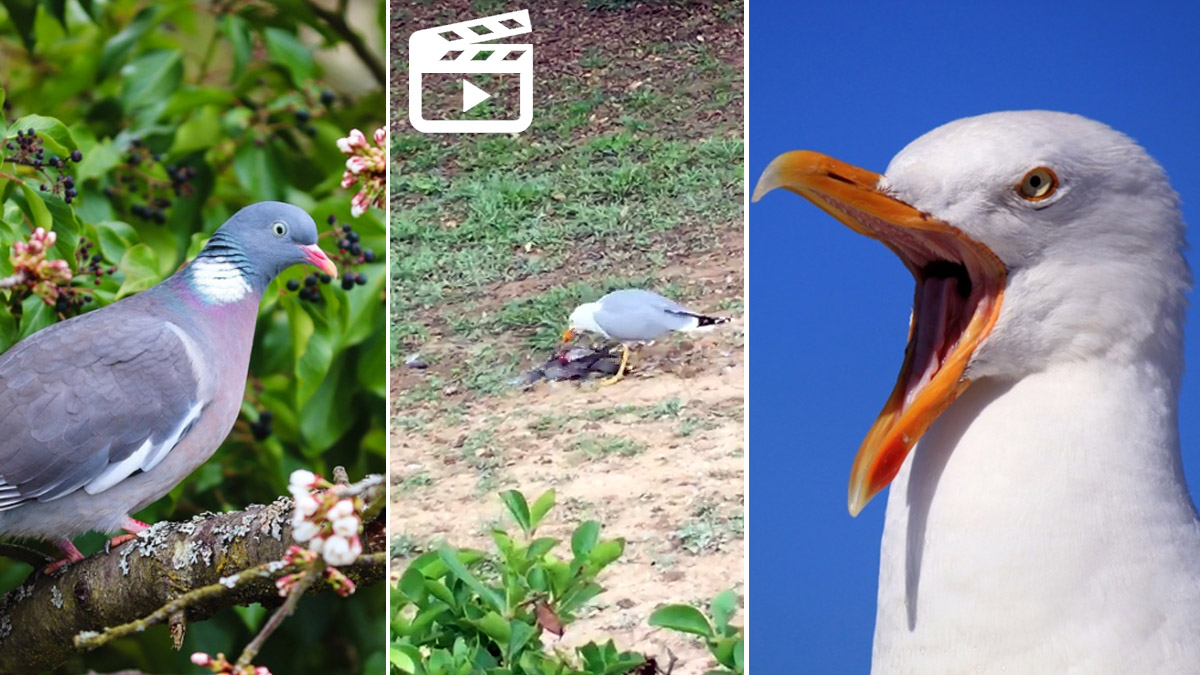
{"x":343,"y":508}
{"x":347,"y":527}
{"x":304,"y":530}
{"x":340,"y":550}
{"x":302,"y":478}
{"x":307,"y":504}
{"x":316,"y":544}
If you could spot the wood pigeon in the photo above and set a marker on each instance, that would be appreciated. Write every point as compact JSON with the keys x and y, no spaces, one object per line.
{"x":104,"y":413}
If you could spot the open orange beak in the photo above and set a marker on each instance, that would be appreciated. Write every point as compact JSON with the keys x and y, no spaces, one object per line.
{"x":960,"y":286}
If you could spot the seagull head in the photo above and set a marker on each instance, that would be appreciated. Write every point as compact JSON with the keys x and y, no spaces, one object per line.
{"x":582,"y":320}
{"x":1034,"y":238}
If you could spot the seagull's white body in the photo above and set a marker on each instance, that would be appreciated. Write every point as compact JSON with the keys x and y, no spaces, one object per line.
{"x":987,"y":566}
{"x":1042,"y":524}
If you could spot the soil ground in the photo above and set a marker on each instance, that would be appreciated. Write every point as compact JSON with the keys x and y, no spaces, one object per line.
{"x":631,"y":175}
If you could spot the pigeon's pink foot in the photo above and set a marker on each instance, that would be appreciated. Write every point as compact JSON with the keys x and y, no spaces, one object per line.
{"x":132,"y":527}
{"x":70,"y":555}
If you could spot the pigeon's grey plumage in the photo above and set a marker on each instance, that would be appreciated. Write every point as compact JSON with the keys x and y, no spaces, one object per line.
{"x":635,"y":315}
{"x":104,"y":413}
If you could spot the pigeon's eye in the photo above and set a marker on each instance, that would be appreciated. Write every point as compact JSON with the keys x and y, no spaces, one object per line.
{"x":279,"y":228}
{"x":1038,"y":184}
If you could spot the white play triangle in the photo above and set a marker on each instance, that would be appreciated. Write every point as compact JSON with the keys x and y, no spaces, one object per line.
{"x":473,"y":96}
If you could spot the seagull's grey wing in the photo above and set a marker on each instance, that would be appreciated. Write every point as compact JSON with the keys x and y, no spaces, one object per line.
{"x":635,"y":315}
{"x":90,"y":401}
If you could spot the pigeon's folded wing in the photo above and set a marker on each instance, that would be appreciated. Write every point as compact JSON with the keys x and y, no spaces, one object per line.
{"x":88,"y":402}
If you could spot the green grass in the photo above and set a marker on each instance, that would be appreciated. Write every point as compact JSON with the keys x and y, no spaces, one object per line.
{"x":597,"y":446}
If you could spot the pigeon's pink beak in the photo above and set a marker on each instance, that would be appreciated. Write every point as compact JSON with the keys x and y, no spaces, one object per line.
{"x":317,"y":257}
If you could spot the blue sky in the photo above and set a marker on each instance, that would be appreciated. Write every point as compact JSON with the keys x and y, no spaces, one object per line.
{"x":830,"y":309}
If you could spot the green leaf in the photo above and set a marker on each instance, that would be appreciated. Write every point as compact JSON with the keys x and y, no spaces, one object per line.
{"x":491,"y":597}
{"x":285,"y":49}
{"x":682,"y":618}
{"x":23,"y":14}
{"x":238,"y":33}
{"x":35,"y":315}
{"x":187,"y":99}
{"x":150,"y":79}
{"x":722,"y":650}
{"x":739,"y":656}
{"x":120,"y":45}
{"x":518,"y":508}
{"x":38,"y":213}
{"x":541,"y":506}
{"x":97,"y":162}
{"x":519,"y":635}
{"x":584,"y":538}
{"x":724,"y":604}
{"x":405,"y":658}
{"x":258,"y":172}
{"x":606,"y":552}
{"x":115,"y":238}
{"x":494,"y":626}
{"x":540,"y":547}
{"x":55,"y":136}
{"x":140,"y":265}
{"x":412,"y":584}
{"x":198,"y":132}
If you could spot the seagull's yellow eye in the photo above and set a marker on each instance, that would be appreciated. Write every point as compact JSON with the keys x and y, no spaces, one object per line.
{"x":1038,"y":184}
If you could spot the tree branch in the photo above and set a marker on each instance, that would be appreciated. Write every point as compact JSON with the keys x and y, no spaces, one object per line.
{"x":40,"y":619}
{"x":337,"y":23}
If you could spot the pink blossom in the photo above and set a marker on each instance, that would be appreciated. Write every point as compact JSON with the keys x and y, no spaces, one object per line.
{"x":356,"y":139}
{"x":201,"y":659}
{"x":381,"y":137}
{"x":357,"y":164}
{"x":359,"y":204}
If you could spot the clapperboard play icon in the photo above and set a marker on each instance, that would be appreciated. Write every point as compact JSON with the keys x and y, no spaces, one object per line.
{"x":455,"y":49}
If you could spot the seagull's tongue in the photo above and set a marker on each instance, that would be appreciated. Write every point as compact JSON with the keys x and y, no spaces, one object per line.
{"x":939,"y":308}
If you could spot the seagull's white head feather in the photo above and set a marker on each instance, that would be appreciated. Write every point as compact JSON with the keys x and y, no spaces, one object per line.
{"x":1094,"y":271}
{"x":583,"y":318}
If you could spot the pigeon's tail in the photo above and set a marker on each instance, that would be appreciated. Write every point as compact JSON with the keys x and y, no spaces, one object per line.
{"x":703,"y":321}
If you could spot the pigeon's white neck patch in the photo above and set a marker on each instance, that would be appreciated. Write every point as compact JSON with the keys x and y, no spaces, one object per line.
{"x":219,"y":281}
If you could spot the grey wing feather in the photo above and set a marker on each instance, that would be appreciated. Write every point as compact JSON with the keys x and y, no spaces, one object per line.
{"x":638,"y":315}
{"x":90,"y":401}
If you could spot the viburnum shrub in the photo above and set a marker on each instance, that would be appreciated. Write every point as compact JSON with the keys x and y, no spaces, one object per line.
{"x":460,"y":611}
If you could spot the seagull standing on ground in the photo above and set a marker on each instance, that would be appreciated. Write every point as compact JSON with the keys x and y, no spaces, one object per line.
{"x":1043,"y":524}
{"x":104,"y":413}
{"x":635,"y":316}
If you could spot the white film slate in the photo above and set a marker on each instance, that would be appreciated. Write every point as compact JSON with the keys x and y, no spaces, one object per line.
{"x":453,"y":49}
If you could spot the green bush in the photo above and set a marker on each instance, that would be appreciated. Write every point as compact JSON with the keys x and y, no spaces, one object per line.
{"x":178,"y":114}
{"x":461,"y":612}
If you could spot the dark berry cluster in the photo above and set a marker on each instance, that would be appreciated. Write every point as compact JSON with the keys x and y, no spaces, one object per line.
{"x":261,"y":428}
{"x":27,"y":149}
{"x":140,"y":180}
{"x":71,"y":299}
{"x":310,"y":291}
{"x":350,"y":254}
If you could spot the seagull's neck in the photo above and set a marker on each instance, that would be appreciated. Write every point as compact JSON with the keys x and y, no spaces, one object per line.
{"x":1040,"y":519}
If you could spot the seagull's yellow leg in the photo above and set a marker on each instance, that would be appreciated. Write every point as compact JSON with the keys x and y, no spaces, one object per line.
{"x":620,"y":369}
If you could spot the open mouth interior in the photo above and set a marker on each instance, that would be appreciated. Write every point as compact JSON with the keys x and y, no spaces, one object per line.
{"x":947,"y":298}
